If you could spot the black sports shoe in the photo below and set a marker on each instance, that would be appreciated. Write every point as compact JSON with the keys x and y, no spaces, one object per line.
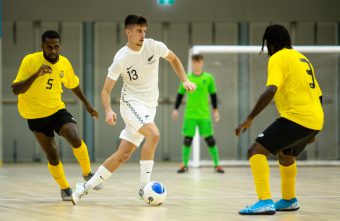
{"x":183,"y":169}
{"x":141,"y":193}
{"x":66,"y":194}
{"x":219,"y":169}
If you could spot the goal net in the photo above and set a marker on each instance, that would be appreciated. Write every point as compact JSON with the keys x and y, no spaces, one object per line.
{"x":240,"y":74}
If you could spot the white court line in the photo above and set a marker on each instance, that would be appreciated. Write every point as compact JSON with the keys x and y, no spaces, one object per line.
{"x":134,"y":198}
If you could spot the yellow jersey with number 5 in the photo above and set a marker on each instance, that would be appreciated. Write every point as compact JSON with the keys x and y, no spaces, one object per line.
{"x":43,"y":98}
{"x":297,"y":96}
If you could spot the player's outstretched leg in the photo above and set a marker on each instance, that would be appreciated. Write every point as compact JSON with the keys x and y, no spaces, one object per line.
{"x":57,"y":172}
{"x":104,"y":172}
{"x":260,"y":169}
{"x":70,"y":132}
{"x":151,"y":134}
{"x":55,"y":167}
{"x":288,"y":173}
{"x":82,"y":189}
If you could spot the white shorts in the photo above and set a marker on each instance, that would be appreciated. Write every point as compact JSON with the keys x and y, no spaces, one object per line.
{"x":135,"y":116}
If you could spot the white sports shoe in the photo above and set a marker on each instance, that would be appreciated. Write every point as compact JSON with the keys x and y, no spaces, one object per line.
{"x":78,"y":193}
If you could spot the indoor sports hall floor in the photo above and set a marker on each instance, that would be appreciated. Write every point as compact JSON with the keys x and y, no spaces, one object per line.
{"x":27,"y":192}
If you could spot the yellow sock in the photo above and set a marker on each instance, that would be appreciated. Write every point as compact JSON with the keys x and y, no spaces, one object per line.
{"x":260,"y":169}
{"x":83,"y":158}
{"x":58,"y":174}
{"x":288,"y":176}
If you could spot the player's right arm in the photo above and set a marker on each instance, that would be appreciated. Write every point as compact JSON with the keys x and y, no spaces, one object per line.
{"x":265,"y":98}
{"x":21,"y":87}
{"x":178,"y":102}
{"x":110,"y":115}
{"x":177,"y":66}
{"x":179,"y":98}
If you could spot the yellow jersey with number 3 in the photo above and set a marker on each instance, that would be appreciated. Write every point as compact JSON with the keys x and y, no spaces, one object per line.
{"x":43,"y":98}
{"x":297,"y":96}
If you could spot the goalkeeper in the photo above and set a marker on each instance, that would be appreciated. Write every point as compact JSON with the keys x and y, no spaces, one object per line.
{"x":197,"y":113}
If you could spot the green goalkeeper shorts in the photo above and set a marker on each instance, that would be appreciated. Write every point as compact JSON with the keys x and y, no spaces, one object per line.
{"x":204,"y":126}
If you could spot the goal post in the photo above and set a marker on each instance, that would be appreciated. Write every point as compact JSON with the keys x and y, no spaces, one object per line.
{"x":219,"y":58}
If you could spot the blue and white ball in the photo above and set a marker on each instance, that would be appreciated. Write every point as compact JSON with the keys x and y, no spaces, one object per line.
{"x":154,"y":193}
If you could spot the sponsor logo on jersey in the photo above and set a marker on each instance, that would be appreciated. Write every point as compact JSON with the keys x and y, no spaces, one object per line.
{"x":61,"y":74}
{"x":150,"y":58}
{"x":150,"y":61}
{"x":129,"y":67}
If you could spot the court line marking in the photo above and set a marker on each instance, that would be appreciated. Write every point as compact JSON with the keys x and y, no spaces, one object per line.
{"x":30,"y":199}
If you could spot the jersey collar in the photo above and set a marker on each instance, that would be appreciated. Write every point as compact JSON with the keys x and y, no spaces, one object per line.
{"x":135,"y":52}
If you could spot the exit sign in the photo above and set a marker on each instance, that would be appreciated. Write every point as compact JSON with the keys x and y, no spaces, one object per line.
{"x":166,"y":2}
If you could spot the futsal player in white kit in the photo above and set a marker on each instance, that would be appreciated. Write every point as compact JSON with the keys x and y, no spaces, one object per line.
{"x":137,"y":64}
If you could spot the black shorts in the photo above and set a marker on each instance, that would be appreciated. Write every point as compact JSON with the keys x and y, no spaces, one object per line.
{"x":54,"y":122}
{"x":287,"y":136}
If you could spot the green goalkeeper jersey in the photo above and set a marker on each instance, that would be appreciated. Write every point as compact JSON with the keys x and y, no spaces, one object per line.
{"x":198,"y":102}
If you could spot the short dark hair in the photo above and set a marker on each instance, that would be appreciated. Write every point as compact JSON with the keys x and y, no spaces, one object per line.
{"x":50,"y":34}
{"x":277,"y":38}
{"x":197,"y":57}
{"x":135,"y":20}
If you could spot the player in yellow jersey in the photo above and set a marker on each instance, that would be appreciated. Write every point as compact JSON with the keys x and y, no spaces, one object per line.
{"x":38,"y":85}
{"x":298,"y":98}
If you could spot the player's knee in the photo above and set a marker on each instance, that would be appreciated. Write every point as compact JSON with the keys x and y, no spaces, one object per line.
{"x":75,"y":142}
{"x":187,"y":141}
{"x":154,"y":135}
{"x":252,"y":150}
{"x":72,"y":137}
{"x":124,"y":156}
{"x":286,"y":160}
{"x":70,"y":133}
{"x":210,"y":141}
{"x":52,"y":157}
{"x":256,"y":148}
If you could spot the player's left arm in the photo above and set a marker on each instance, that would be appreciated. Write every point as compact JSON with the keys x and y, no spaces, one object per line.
{"x":213,"y":97}
{"x":77,"y":91}
{"x":265,"y":98}
{"x":177,"y":66}
{"x":216,"y":112}
{"x":71,"y":81}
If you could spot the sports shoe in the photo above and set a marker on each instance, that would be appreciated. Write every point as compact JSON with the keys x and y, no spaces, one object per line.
{"x":262,"y":207}
{"x":78,"y":193}
{"x":66,"y":194}
{"x":182,"y":169}
{"x":219,"y":169}
{"x":88,"y":177}
{"x":287,"y":205}
{"x":141,"y":193}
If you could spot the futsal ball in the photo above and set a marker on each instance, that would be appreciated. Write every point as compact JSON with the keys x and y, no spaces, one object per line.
{"x":154,"y":193}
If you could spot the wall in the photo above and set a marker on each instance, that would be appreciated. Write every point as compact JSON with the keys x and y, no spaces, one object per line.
{"x":181,"y":11}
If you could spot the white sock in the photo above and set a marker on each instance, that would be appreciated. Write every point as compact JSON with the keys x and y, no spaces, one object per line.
{"x":101,"y":175}
{"x":145,"y":171}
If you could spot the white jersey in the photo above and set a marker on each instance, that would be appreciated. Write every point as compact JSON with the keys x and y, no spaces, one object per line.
{"x":139,"y":71}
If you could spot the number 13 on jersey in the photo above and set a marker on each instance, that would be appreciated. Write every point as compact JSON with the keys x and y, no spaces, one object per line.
{"x":133,"y":75}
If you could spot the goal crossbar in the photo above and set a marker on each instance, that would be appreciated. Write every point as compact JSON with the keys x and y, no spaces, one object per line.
{"x":253,"y":49}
